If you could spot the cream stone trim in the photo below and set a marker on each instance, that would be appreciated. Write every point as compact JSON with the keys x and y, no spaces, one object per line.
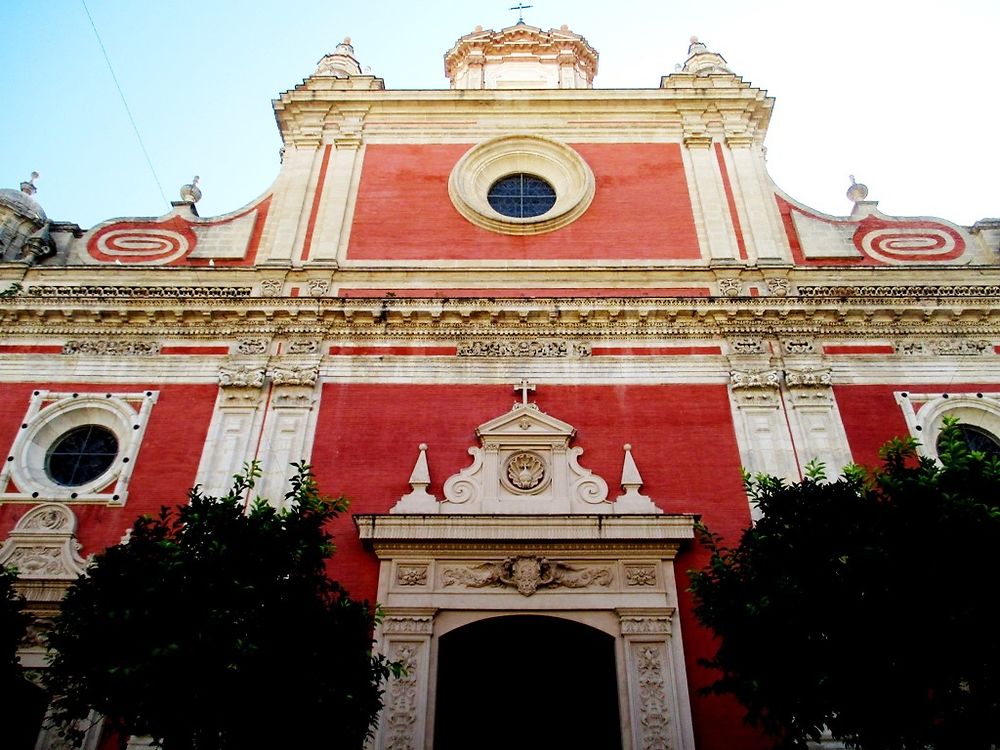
{"x":556,"y":163}
{"x":49,"y":416}
{"x":925,"y":414}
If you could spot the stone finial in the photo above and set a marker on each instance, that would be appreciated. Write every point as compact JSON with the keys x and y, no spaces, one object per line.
{"x":418,"y":500}
{"x":28,"y":186}
{"x":191,"y":193}
{"x":702,"y":62}
{"x":856,"y":192}
{"x":341,"y":63}
{"x":632,"y":501}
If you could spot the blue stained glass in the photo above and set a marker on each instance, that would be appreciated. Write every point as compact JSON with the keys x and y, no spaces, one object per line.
{"x":521,"y":196}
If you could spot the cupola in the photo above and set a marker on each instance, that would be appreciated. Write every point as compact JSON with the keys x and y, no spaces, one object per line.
{"x":521,"y":57}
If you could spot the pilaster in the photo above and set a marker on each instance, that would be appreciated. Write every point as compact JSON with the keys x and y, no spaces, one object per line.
{"x":709,"y":199}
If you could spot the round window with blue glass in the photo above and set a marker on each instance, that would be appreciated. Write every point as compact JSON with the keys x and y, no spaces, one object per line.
{"x":521,"y":196}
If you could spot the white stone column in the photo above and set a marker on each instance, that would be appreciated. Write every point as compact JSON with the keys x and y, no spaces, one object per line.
{"x":406,"y":637}
{"x":336,"y":208}
{"x":763,"y":235}
{"x":762,"y":431}
{"x":658,"y":713}
{"x":817,"y":428}
{"x":235,"y":427}
{"x":289,"y":425}
{"x":709,"y":195}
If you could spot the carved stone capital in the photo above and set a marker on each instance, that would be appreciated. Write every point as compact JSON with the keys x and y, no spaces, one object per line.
{"x":765,"y":379}
{"x":730,"y":287}
{"x":777,"y":286}
{"x":271,"y":287}
{"x":808,"y":377}
{"x":294,"y":375}
{"x":241,"y":376}
{"x":408,"y":624}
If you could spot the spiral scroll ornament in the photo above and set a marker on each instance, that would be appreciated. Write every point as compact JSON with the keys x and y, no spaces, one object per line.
{"x":908,"y":242}
{"x":155,"y":245}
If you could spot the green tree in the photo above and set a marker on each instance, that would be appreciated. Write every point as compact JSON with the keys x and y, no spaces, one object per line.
{"x":215,"y":626}
{"x":866,"y":604}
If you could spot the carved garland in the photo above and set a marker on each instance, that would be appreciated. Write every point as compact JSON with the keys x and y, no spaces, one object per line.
{"x":527,"y":575}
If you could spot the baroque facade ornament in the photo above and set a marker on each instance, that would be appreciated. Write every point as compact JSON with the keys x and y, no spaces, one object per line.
{"x":805,"y":377}
{"x":139,"y":292}
{"x":252,"y":346}
{"x":777,"y":286}
{"x":730,"y":287}
{"x":402,"y":698}
{"x":411,"y":575}
{"x":271,"y":287}
{"x":525,"y":472}
{"x":305,"y":375}
{"x":654,"y":716}
{"x":640,"y":575}
{"x":112,"y":348}
{"x":516,"y":348}
{"x":243,"y":376}
{"x":43,"y":546}
{"x":303,"y":346}
{"x":752,"y":379}
{"x":748,"y":345}
{"x":527,"y":575}
{"x":798,"y":346}
{"x":318,"y":287}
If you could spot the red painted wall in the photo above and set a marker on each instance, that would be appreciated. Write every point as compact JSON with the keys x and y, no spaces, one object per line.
{"x":641,"y":210}
{"x":682,"y":439}
{"x":871,"y":415}
{"x":165,"y":466}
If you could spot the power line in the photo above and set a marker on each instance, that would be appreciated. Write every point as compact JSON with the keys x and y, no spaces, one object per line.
{"x":124,"y":102}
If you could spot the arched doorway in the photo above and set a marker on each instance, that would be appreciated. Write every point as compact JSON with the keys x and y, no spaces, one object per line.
{"x":526,"y":682}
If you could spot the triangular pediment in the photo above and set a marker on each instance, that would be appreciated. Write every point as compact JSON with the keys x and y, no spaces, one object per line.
{"x":522,"y":421}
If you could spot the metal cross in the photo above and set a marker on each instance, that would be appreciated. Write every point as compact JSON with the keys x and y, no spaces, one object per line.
{"x":520,"y":8}
{"x":524,"y":386}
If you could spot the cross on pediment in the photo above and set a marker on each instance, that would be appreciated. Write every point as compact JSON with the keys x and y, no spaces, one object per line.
{"x":520,"y":8}
{"x":524,"y":386}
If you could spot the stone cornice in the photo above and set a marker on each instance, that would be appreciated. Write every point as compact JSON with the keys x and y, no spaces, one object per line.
{"x":712,"y":317}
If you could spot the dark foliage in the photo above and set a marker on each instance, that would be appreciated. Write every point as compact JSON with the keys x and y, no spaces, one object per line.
{"x":216,"y":626}
{"x":867,"y":604}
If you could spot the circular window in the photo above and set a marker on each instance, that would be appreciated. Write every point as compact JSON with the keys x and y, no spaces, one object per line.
{"x":978,"y":439}
{"x":521,"y":196}
{"x":81,"y":455}
{"x":521,"y":184}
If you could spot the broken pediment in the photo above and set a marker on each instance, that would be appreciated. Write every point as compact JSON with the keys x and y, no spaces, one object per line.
{"x":524,"y":464}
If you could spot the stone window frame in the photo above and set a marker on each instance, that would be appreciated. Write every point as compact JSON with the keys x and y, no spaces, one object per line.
{"x":980,"y":409}
{"x":49,"y":416}
{"x":552,"y":161}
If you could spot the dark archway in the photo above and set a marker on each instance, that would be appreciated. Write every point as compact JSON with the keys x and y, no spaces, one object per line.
{"x":526,"y":682}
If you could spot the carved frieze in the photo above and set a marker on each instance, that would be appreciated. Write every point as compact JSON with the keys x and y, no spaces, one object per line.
{"x":944,"y":347}
{"x":408,"y":624}
{"x":527,"y":575}
{"x":139,"y":292}
{"x":639,"y":625}
{"x":893,"y":290}
{"x":517,"y":348}
{"x":112,"y":348}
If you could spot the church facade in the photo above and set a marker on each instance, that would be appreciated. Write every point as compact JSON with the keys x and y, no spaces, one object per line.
{"x":532,"y":329}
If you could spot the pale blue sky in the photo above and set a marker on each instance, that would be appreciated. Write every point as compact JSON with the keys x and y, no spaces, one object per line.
{"x":900,"y":93}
